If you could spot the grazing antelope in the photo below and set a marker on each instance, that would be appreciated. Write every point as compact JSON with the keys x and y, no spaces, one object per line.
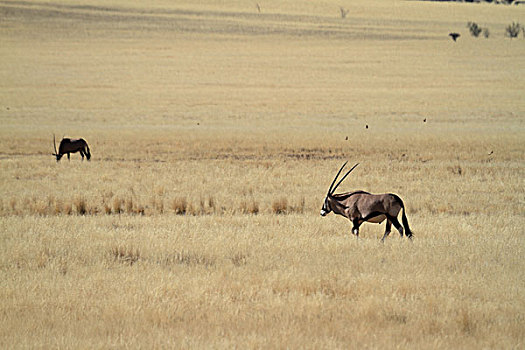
{"x":361,"y":206}
{"x":68,"y":146}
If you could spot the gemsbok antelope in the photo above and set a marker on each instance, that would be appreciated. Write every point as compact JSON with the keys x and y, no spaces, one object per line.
{"x":361,"y":206}
{"x":68,"y":146}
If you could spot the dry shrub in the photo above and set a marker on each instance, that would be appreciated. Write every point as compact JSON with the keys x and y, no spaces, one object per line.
{"x":107,"y":209}
{"x":193,"y":210}
{"x":158,"y":205}
{"x":206,"y":207}
{"x":58,"y":207}
{"x":249,"y":207}
{"x":179,"y":205}
{"x":125,"y":255}
{"x":456,"y":170}
{"x":67,"y":208}
{"x":211,"y":204}
{"x":188,"y":258}
{"x":139,"y":209}
{"x":40,"y":207}
{"x":45,"y":256}
{"x":129,"y":205}
{"x":117,"y":205}
{"x":280,"y":206}
{"x":299,"y":208}
{"x":12,"y":204}
{"x":80,"y":205}
{"x":239,"y":259}
{"x":466,"y":323}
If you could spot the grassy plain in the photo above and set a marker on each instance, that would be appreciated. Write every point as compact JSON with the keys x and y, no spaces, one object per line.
{"x":226,"y":115}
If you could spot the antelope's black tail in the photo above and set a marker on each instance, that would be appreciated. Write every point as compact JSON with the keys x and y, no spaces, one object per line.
{"x":408,"y":231}
{"x":88,"y":153}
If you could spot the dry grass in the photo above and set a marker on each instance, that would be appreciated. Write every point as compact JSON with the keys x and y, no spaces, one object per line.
{"x":215,"y":131}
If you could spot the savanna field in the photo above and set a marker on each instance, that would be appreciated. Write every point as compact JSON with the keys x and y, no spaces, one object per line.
{"x":216,"y":128}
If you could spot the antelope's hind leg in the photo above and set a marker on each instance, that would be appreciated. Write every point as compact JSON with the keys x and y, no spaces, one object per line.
{"x":397,"y":225}
{"x":387,"y":230}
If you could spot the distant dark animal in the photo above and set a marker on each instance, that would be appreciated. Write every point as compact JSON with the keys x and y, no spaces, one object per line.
{"x":425,"y":120}
{"x":454,"y":36}
{"x":361,"y":206}
{"x":366,"y":126}
{"x":68,"y":146}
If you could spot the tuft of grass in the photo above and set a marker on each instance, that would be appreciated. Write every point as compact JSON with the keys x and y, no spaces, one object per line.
{"x":465,"y":321}
{"x":80,"y":205}
{"x":158,"y":205}
{"x":125,"y":255}
{"x":117,"y":205}
{"x":188,"y":258}
{"x":239,"y":259}
{"x":67,"y":208}
{"x":300,"y":207}
{"x":129,"y":205}
{"x":457,"y":170}
{"x":280,"y":206}
{"x":179,"y":205}
{"x":211,"y":204}
{"x":58,"y":207}
{"x":249,"y":207}
{"x":474,"y":29}
{"x":512,"y":30}
{"x":107,"y":209}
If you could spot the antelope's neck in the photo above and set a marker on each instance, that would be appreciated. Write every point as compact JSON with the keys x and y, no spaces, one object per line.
{"x":336,"y":206}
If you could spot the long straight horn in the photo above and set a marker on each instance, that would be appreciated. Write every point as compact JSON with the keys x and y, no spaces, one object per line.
{"x":344,"y":177}
{"x":335,"y":178}
{"x":55,"y":144}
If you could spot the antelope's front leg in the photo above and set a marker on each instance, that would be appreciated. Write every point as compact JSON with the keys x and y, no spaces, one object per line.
{"x":355,"y":229}
{"x":387,"y":230}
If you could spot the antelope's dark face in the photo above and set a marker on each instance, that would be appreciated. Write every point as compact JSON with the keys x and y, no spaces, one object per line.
{"x":325,"y":210}
{"x":58,"y":156}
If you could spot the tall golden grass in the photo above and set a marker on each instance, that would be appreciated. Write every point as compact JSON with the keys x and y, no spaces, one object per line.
{"x":215,"y":131}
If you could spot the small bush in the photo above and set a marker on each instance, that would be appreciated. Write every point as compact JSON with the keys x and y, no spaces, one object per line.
{"x":280,"y":206}
{"x":179,"y":205}
{"x":239,"y":259}
{"x":107,"y":209}
{"x":159,"y":205}
{"x":81,"y":205}
{"x":187,"y":258}
{"x":249,"y":207}
{"x":117,"y":205}
{"x":512,"y":30}
{"x":125,"y":255}
{"x":211,"y":204}
{"x":57,"y":208}
{"x":67,"y":208}
{"x":474,"y":28}
{"x":300,"y":207}
{"x":129,"y":205}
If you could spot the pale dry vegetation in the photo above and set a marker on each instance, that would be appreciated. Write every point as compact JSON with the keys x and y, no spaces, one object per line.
{"x":215,"y":130}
